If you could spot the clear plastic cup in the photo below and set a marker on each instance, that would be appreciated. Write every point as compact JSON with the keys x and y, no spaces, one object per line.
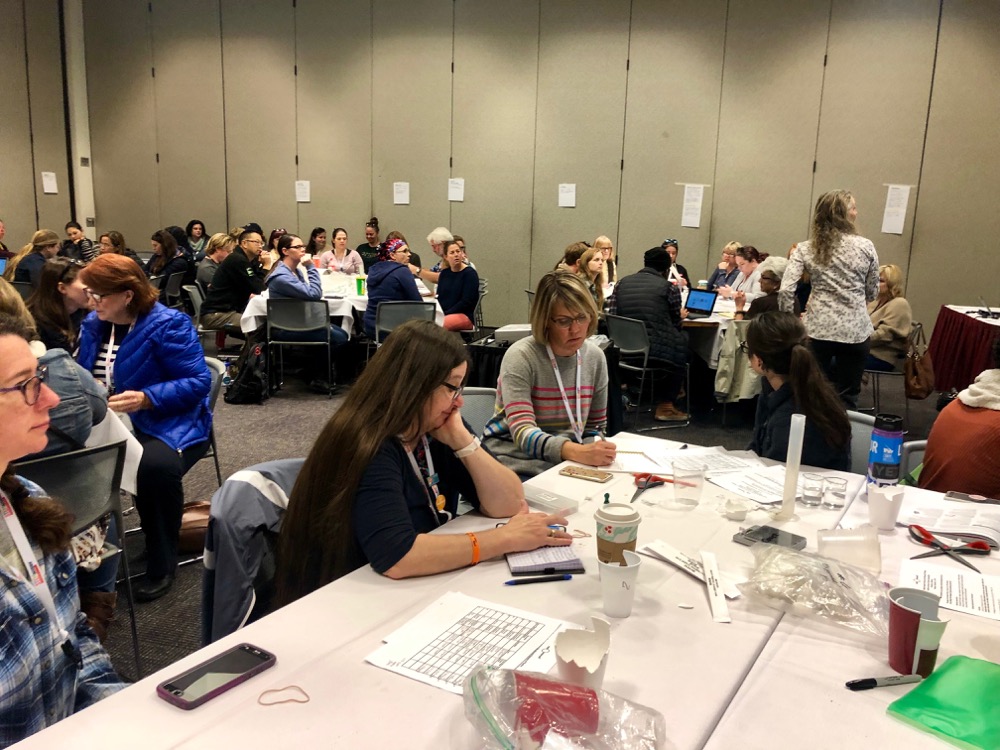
{"x":834,"y":493}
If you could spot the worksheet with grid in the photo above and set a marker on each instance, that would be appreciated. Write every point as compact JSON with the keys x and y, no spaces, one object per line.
{"x":456,"y":633}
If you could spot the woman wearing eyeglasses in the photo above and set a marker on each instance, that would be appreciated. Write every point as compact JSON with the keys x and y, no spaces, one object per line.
{"x":59,"y":304}
{"x":727,"y":271}
{"x":149,"y":358}
{"x":552,"y":395}
{"x":389,"y":280}
{"x":388,"y":469}
{"x":793,"y":383}
{"x":53,"y":665}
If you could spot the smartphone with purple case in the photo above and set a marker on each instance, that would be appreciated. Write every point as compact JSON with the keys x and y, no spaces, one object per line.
{"x":215,"y":676}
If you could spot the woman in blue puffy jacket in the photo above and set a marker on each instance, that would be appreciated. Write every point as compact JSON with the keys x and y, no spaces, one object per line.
{"x":152,"y":363}
{"x":389,"y":280}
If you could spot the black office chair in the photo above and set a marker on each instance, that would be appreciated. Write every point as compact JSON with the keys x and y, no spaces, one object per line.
{"x":88,"y":482}
{"x":218,"y":369}
{"x":297,"y":316}
{"x":390,"y":315}
{"x":632,"y":340}
{"x":23,"y":288}
{"x":173,"y":291}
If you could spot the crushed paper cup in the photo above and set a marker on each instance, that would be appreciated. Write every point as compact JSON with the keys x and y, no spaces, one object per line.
{"x":582,"y":655}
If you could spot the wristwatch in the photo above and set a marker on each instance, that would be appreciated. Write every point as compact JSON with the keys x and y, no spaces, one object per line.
{"x":416,"y":274}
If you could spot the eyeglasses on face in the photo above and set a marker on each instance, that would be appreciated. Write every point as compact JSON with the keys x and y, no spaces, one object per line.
{"x":254,"y":242}
{"x":567,"y":322}
{"x":456,"y":390}
{"x":31,"y":388}
{"x":98,"y":297}
{"x":403,"y":249}
{"x":300,"y":246}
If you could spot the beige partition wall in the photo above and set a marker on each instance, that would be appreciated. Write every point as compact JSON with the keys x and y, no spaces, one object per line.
{"x":188,"y":93}
{"x":122,"y":122}
{"x":957,"y":225}
{"x":48,"y":123}
{"x":671,"y":127}
{"x":411,"y":115}
{"x":583,"y":48}
{"x":17,"y":199}
{"x":770,"y":111}
{"x":333,"y":106}
{"x":496,"y":71}
{"x":874,"y":109}
{"x":258,"y":68}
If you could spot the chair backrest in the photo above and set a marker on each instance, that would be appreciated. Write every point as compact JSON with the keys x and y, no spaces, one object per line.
{"x":247,"y":511}
{"x":629,"y":335}
{"x":23,"y":288}
{"x":297,"y":314}
{"x":174,"y":282}
{"x":912,"y":456}
{"x":478,"y":407}
{"x":477,"y":315}
{"x":388,"y":315}
{"x":156,"y":281}
{"x":86,"y":481}
{"x":196,"y":299}
{"x":861,"y":440}
{"x":218,"y":369}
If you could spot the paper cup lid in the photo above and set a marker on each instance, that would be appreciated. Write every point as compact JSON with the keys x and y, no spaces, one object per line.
{"x":617,"y":513}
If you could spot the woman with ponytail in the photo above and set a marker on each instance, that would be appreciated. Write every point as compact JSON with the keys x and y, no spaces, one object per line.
{"x":794,"y":384}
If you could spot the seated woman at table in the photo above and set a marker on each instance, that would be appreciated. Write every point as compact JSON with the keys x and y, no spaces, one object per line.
{"x":388,"y":469}
{"x":294,"y":278}
{"x":317,"y":243}
{"x":771,"y":270}
{"x":113,"y":241}
{"x":726,"y":272}
{"x":389,"y":280}
{"x":341,"y":258}
{"x":792,"y":383}
{"x":414,"y":257}
{"x":53,"y":665}
{"x":748,"y":260}
{"x":457,"y":289}
{"x":589,"y":269}
{"x":270,"y":251}
{"x":965,"y":439}
{"x":609,"y":273}
{"x":552,"y":394}
{"x":59,"y":304}
{"x":167,"y":260}
{"x":151,"y":361}
{"x":892,"y":320}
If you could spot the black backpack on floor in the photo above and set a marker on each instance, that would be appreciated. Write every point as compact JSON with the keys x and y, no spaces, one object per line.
{"x":249,"y":374}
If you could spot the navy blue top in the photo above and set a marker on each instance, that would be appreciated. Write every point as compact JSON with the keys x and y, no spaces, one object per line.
{"x":458,"y":292}
{"x":392,"y":505}
{"x":770,"y":432}
{"x":719,"y":278}
{"x":388,"y":281}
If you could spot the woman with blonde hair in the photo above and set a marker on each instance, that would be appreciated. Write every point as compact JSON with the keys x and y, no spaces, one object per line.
{"x":552,"y":395}
{"x":843,"y":268}
{"x":892,"y":320}
{"x":590,"y":269}
{"x":727,"y":271}
{"x":609,"y":274}
{"x":26,"y":266}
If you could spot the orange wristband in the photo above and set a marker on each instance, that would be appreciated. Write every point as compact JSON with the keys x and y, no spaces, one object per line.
{"x":475,"y":547}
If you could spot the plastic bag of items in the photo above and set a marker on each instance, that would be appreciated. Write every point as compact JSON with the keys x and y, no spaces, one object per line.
{"x":812,"y":586}
{"x":529,"y":711}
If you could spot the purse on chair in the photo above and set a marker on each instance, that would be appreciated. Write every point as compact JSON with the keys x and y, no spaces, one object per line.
{"x":194,"y":524}
{"x":918,"y":370}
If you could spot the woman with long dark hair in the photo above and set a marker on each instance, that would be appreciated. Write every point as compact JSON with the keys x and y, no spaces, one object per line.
{"x":167,"y":258}
{"x":59,"y":304}
{"x":53,"y":665}
{"x":388,"y":469}
{"x":794,"y":384}
{"x":317,"y":242}
{"x":196,"y":238}
{"x":843,"y":269}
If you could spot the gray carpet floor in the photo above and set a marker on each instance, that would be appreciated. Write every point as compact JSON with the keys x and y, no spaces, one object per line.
{"x":284,"y":427}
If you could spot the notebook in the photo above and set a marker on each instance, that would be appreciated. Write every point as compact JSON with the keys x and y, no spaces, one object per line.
{"x":700,"y":303}
{"x":545,"y":560}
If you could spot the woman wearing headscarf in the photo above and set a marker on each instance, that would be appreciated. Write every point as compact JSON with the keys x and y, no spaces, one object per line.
{"x":389,"y":280}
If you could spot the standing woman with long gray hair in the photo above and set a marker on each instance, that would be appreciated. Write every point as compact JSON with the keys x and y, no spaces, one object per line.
{"x":843,"y":267}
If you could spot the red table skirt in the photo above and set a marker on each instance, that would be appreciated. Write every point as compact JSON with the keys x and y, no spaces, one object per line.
{"x":961,"y":348}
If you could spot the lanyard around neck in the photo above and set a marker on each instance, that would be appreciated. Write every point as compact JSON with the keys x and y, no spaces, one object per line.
{"x":429,"y":482}
{"x":577,"y":424}
{"x":36,"y":573}
{"x":109,"y":378}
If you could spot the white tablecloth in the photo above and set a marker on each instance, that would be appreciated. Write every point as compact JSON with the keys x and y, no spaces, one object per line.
{"x":340,"y":293}
{"x":674,"y":659}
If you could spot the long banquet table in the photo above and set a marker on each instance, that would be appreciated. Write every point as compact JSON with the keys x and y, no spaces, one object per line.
{"x":711,"y":681}
{"x":961,"y":346}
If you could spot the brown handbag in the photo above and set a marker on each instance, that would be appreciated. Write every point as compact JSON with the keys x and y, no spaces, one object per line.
{"x":918,"y":370}
{"x":194,"y":525}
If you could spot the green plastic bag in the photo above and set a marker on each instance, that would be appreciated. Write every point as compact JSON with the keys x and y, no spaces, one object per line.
{"x":959,"y":702}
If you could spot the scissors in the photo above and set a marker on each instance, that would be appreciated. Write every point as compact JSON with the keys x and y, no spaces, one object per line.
{"x":645,"y":481}
{"x":923,"y":536}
